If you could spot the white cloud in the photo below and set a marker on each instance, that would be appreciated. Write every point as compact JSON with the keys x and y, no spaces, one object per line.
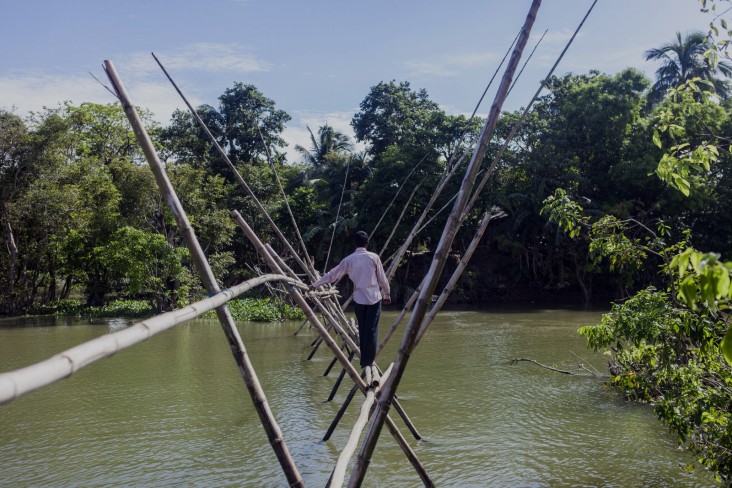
{"x":451,"y":65}
{"x":206,"y":57}
{"x":33,"y":91}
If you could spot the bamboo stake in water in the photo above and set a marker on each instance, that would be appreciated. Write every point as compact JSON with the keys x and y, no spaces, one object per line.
{"x":236,"y":345}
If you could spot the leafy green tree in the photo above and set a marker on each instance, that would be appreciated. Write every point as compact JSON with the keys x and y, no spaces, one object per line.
{"x":577,"y":138}
{"x":333,"y":175}
{"x":13,"y":136}
{"x":146,"y":264}
{"x":410,"y":140}
{"x":393,"y":114}
{"x":328,"y":140}
{"x":245,"y":124}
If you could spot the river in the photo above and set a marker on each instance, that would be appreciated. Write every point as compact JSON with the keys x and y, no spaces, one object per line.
{"x":174,"y":411}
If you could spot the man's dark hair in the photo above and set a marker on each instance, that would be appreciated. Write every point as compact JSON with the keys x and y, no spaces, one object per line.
{"x":361,"y":239}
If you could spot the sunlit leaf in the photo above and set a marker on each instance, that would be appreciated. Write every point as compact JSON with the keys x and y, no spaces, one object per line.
{"x":726,"y":346}
{"x":656,"y":139}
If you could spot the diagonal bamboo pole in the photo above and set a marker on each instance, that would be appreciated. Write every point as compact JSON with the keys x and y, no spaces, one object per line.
{"x":401,"y":216}
{"x":491,"y":169}
{"x":227,"y":322}
{"x":458,"y":272}
{"x":296,"y":228}
{"x":438,"y":262}
{"x":340,"y":413}
{"x":448,"y":172}
{"x":237,"y":175}
{"x":339,"y":472}
{"x":450,"y":169}
{"x":338,"y":213}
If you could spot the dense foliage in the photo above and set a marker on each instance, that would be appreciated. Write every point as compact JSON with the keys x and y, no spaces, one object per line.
{"x":668,"y":355}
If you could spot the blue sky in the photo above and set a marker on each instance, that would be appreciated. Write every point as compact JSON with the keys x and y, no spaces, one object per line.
{"x":315,"y":59}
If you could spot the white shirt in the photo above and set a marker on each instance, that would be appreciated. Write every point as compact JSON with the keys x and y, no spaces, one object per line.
{"x":365,"y":270}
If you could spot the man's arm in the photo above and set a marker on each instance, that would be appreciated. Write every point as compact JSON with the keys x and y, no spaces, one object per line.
{"x":383,"y":281}
{"x":333,"y":275}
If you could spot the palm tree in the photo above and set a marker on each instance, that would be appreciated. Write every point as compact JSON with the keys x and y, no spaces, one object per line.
{"x":328,"y":140}
{"x":683,"y":60}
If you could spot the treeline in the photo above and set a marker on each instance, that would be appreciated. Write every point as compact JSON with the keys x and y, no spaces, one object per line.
{"x":81,"y":214}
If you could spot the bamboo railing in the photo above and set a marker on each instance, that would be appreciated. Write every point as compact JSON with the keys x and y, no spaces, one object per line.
{"x":14,"y":384}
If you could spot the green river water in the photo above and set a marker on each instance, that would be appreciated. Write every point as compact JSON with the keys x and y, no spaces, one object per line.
{"x":174,"y":411}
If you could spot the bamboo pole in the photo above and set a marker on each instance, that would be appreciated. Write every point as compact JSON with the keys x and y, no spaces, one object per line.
{"x":339,"y":380}
{"x":14,"y":384}
{"x":332,"y":345}
{"x":458,"y":272}
{"x":339,"y":472}
{"x":440,"y":257}
{"x":332,"y":363}
{"x":295,"y":227}
{"x":238,"y":350}
{"x":338,"y":213}
{"x":340,"y":413}
{"x":401,"y":216}
{"x":522,"y":118}
{"x":450,"y":167}
{"x":237,"y":175}
{"x":398,"y":320}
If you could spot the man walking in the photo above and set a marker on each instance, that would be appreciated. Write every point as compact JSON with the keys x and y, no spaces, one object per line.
{"x":370,"y":285}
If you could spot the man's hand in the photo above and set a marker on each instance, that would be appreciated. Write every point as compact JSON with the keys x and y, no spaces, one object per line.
{"x":387,"y":300}
{"x":311,"y":288}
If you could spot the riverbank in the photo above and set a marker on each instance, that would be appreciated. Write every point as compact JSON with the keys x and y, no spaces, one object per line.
{"x":245,"y":309}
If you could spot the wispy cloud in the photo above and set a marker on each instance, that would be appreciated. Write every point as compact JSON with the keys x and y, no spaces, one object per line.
{"x":33,"y":91}
{"x":449,"y":65}
{"x":204,"y":57}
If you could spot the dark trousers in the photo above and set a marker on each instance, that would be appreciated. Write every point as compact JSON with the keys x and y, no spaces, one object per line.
{"x":367,"y":317}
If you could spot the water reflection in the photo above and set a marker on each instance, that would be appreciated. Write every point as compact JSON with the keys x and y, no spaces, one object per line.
{"x":174,"y":410}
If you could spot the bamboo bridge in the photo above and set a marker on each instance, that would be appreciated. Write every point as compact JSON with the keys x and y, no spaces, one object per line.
{"x":324,"y":312}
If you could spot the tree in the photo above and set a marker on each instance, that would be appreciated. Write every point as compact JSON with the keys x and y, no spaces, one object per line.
{"x":684,"y":60}
{"x":393,"y":114}
{"x":13,"y":136}
{"x":245,"y":125}
{"x":328,"y":140}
